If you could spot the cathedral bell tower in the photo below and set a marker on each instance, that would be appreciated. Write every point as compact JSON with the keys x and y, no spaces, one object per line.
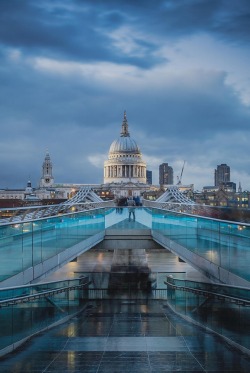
{"x":47,"y":179}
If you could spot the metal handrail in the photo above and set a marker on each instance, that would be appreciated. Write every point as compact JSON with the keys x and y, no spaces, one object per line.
{"x":43,"y":294}
{"x":210,"y":294}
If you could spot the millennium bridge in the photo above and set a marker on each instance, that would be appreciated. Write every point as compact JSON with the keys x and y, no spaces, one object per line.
{"x":129,"y":317}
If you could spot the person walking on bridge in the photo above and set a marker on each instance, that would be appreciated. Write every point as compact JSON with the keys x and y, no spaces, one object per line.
{"x":131,"y":208}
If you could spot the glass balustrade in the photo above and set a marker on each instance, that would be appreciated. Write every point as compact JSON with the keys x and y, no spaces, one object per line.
{"x":223,"y":243}
{"x":26,"y":310}
{"x":24,"y":245}
{"x":221,"y":308}
{"x":226,"y":244}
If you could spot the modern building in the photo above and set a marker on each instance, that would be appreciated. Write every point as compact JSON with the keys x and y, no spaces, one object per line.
{"x":166,"y":174}
{"x":221,"y":174}
{"x":229,"y":186}
{"x":149,"y":177}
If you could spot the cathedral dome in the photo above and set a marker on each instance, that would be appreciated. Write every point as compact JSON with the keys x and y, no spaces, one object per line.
{"x":125,"y":163}
{"x":124,"y":145}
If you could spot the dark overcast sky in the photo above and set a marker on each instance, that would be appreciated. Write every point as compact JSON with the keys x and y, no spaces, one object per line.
{"x":69,"y":68}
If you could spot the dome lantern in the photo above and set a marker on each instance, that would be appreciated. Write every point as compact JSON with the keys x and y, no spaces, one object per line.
{"x":125,"y":132}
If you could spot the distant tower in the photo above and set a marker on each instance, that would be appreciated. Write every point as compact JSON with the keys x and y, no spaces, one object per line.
{"x":166,"y":175}
{"x":221,"y":174}
{"x":28,"y":189}
{"x":47,"y":179}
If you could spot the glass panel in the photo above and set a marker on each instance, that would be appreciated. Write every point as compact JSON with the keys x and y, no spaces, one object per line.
{"x":24,"y":245}
{"x":222,"y":243}
{"x":228,"y":318}
{"x":24,"y":319}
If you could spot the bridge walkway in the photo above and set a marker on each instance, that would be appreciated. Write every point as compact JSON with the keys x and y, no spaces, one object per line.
{"x":118,"y":336}
{"x":122,"y":335}
{"x":30,"y":250}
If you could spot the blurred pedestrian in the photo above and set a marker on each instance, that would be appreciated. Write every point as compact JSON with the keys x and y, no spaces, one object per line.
{"x":131,"y":208}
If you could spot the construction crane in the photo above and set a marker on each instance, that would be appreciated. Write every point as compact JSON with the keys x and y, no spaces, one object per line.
{"x":179,"y":178}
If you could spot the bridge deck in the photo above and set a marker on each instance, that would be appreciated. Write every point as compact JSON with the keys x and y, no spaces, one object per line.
{"x":124,"y":337}
{"x":29,"y":250}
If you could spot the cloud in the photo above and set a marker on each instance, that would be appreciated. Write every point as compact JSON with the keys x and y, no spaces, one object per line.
{"x":68,"y":70}
{"x":97,"y":160}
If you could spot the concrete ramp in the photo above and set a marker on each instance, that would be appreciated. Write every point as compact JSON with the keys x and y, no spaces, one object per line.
{"x":129,"y":269}
{"x":128,"y":235}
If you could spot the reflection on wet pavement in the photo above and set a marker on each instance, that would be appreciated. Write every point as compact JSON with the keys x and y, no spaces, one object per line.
{"x":122,"y":337}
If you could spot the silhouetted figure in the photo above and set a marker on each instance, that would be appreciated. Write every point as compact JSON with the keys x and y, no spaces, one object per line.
{"x":131,"y":208}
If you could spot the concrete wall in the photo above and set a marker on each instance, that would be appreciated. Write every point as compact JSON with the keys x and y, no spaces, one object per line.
{"x":127,"y":239}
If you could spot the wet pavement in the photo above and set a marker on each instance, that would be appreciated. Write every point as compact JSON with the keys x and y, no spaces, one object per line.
{"x":122,"y":336}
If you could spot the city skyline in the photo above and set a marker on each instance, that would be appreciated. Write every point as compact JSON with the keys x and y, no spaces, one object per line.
{"x":69,"y":69}
{"x":46,"y":178}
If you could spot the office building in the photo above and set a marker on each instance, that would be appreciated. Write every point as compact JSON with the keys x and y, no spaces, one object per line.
{"x":166,"y":174}
{"x":149,"y":177}
{"x":221,"y":174}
